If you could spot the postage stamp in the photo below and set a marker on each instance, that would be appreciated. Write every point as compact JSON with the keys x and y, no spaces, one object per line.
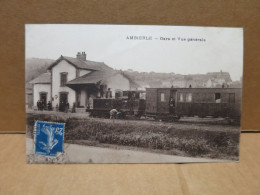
{"x":49,"y":138}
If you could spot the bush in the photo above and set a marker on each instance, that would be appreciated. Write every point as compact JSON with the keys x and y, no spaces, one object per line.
{"x":192,"y":142}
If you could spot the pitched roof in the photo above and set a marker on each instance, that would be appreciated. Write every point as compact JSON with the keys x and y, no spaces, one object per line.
{"x":92,"y":77}
{"x":81,"y":64}
{"x":44,"y":78}
{"x":99,"y":76}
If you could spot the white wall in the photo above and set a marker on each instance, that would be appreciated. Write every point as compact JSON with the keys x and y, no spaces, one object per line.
{"x":62,"y":66}
{"x":82,"y":72}
{"x":83,"y":97}
{"x":118,"y":82}
{"x":37,"y":88}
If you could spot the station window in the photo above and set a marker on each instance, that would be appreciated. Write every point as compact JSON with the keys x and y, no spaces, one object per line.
{"x":217,"y":97}
{"x":63,"y":78}
{"x":231,"y":98}
{"x":181,"y":97}
{"x":189,"y":97}
{"x":162,"y":97}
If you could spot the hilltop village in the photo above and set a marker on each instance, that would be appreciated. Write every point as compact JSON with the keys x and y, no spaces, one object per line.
{"x":209,"y":80}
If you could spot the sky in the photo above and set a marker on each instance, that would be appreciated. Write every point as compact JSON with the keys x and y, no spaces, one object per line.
{"x":178,"y":49}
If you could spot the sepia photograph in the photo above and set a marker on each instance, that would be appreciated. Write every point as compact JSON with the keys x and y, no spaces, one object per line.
{"x":132,"y":93}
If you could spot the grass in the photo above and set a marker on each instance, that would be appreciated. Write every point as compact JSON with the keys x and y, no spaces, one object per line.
{"x":200,"y":140}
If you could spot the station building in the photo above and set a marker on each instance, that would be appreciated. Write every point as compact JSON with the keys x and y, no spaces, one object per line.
{"x":78,"y":81}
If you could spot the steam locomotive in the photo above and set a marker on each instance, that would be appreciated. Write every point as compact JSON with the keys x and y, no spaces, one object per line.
{"x":129,"y":103}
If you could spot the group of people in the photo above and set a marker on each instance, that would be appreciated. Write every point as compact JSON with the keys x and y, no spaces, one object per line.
{"x":64,"y":106}
{"x":41,"y":105}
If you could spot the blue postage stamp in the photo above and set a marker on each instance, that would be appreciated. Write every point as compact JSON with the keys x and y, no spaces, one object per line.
{"x":49,"y":138}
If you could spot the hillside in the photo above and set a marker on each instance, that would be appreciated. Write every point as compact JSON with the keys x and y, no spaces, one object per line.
{"x":35,"y":66}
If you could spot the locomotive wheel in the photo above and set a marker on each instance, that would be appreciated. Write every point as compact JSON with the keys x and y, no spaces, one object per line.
{"x":156,"y":118}
{"x":138,"y":117}
{"x":176,"y":119}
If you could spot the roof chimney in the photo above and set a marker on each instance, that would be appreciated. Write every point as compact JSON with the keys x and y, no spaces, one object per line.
{"x":82,"y":56}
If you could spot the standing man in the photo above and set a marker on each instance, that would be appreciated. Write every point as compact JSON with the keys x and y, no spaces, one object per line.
{"x":38,"y":104}
{"x":73,"y":108}
{"x":43,"y":105}
{"x":67,"y":107}
{"x":61,"y":106}
{"x":171,"y":106}
{"x":49,"y":106}
{"x":57,"y":107}
{"x":109,"y":93}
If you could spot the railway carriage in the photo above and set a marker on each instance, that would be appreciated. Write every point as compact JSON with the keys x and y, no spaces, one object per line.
{"x":202,"y":102}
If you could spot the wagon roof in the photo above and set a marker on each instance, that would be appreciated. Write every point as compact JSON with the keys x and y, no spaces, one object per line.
{"x":202,"y":88}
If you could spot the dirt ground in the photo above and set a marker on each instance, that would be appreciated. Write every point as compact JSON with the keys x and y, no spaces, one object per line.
{"x":74,"y":153}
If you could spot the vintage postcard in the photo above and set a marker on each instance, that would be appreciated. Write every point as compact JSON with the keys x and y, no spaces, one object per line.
{"x":132,"y":93}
